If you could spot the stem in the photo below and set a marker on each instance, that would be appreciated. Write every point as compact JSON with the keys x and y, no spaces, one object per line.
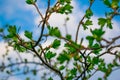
{"x":38,"y":11}
{"x":51,"y":67}
{"x":81,"y":21}
{"x":43,"y":25}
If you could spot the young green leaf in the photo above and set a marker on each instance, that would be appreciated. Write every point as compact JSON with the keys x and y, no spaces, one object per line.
{"x":86,"y":24}
{"x":56,"y":44}
{"x":102,"y":22}
{"x":28,"y":35}
{"x":27,"y":78}
{"x":54,"y":31}
{"x":71,"y":49}
{"x":50,"y":78}
{"x":107,"y":3}
{"x":68,"y":36}
{"x":91,"y":40}
{"x":61,"y":67}
{"x":30,"y":1}
{"x":12,"y":31}
{"x":73,"y":71}
{"x":63,"y":57}
{"x":50,"y":55}
{"x":95,"y":60}
{"x":109,"y":23}
{"x":67,"y":8}
{"x":115,"y":4}
{"x":19,"y":48}
{"x":97,"y":34}
{"x":89,"y":13}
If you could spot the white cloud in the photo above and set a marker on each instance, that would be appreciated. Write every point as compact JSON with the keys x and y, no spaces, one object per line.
{"x":14,"y":78}
{"x":3,"y":48}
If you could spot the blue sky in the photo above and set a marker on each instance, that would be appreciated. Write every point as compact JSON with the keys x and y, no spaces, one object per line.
{"x":17,"y":12}
{"x":12,"y":13}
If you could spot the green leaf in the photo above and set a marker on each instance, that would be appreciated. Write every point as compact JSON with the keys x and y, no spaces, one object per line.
{"x":1,"y":29}
{"x":34,"y":72}
{"x":28,"y":35}
{"x":50,"y":78}
{"x":95,"y":60}
{"x":107,"y":3}
{"x":71,"y":49}
{"x":19,"y":48}
{"x":26,"y":61}
{"x":50,"y":55}
{"x":115,"y":4}
{"x":27,"y":78}
{"x":8,"y":72}
{"x":99,"y":78}
{"x":96,"y":51}
{"x":56,"y":43}
{"x":61,"y":67}
{"x":68,"y":37}
{"x":109,"y":23}
{"x":102,"y":22}
{"x":97,"y":33}
{"x":54,"y":31}
{"x":89,"y":13}
{"x":96,"y":48}
{"x":12,"y":31}
{"x":65,"y":1}
{"x":87,"y":23}
{"x":73,"y":71}
{"x":30,"y":1}
{"x":90,"y":39}
{"x":67,"y":8}
{"x":63,"y":57}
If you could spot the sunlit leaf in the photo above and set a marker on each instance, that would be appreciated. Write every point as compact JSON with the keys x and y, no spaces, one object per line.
{"x":28,"y":34}
{"x":107,"y":3}
{"x":63,"y":57}
{"x":89,"y":13}
{"x":50,"y":55}
{"x":30,"y":1}
{"x":102,"y":22}
{"x":56,"y":44}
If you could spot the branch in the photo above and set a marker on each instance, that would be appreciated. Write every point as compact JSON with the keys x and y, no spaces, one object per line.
{"x":109,"y":51}
{"x":43,"y":25}
{"x":49,"y":66}
{"x":37,"y":70}
{"x":19,"y":63}
{"x":38,"y":11}
{"x":83,"y":72}
{"x":111,"y":42}
{"x":80,"y":23}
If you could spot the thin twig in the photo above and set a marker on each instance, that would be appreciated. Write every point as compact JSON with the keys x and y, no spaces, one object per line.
{"x":38,"y":11}
{"x":49,"y":66}
{"x":83,"y":72}
{"x":43,"y":25}
{"x":80,"y":22}
{"x":14,"y":64}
